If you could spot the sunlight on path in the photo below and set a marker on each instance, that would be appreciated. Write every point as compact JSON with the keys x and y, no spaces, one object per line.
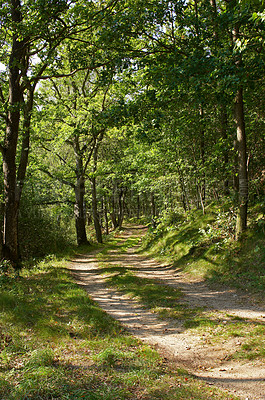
{"x":186,"y":349}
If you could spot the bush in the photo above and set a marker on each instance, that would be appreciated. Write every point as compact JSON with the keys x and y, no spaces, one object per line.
{"x":43,"y":230}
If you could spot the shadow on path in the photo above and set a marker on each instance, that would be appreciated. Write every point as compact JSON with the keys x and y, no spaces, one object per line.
{"x":184,"y":348}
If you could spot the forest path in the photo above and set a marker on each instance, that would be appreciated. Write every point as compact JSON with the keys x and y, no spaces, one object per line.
{"x":205,"y":358}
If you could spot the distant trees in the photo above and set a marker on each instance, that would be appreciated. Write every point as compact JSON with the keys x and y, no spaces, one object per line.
{"x":73,"y":125}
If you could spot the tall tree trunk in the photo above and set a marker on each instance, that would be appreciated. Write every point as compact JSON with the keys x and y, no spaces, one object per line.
{"x":241,"y":223}
{"x":153,"y":206}
{"x":121,"y":207}
{"x":24,"y":154}
{"x":95,"y":210}
{"x":79,"y":212}
{"x":202,"y":188}
{"x":105,"y":204}
{"x":138,"y":206}
{"x":79,"y":208}
{"x":224,"y":125}
{"x":184,"y":196}
{"x":114,"y":216}
{"x":94,"y":194}
{"x":235,"y":171}
{"x":12,"y":192}
{"x":10,"y":247}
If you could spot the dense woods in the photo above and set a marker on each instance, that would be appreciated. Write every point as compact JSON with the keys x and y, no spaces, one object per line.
{"x":127,"y":109}
{"x":133,"y":173}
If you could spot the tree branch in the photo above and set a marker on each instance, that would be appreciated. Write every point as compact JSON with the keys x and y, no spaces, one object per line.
{"x":84,"y":83}
{"x":52,"y":202}
{"x":57,"y":178}
{"x":2,"y":96}
{"x":59,"y":156}
{"x":62,"y":100}
{"x":45,"y":77}
{"x":89,"y":158}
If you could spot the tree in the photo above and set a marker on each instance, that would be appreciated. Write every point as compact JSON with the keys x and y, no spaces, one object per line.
{"x":20,"y":43}
{"x":76,"y":106}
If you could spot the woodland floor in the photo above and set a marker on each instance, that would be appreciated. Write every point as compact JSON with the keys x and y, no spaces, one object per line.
{"x":206,"y":359}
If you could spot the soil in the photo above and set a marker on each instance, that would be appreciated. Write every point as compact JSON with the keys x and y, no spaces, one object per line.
{"x":205,"y":359}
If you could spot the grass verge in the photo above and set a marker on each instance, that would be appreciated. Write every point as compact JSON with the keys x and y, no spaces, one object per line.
{"x":204,"y":245}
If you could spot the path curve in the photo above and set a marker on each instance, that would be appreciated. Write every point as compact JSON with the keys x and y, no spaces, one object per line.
{"x":191,"y":351}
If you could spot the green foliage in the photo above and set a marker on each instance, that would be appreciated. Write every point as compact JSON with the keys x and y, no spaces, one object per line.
{"x":160,"y":80}
{"x":43,"y":230}
{"x":40,"y":357}
{"x":5,"y":269}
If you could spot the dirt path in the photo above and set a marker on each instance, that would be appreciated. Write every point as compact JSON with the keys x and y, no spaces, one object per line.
{"x":195,"y":352}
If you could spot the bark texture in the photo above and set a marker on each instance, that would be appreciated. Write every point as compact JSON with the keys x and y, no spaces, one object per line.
{"x":242,"y":165}
{"x":79,"y":212}
{"x":12,"y":185}
{"x":241,"y":224}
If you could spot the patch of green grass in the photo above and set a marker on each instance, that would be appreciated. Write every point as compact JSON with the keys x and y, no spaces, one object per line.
{"x":107,"y":268}
{"x":159,"y":298}
{"x":200,"y":322}
{"x":116,"y":242}
{"x":250,"y":333}
{"x":253,"y":349}
{"x":253,"y":346}
{"x":56,"y":343}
